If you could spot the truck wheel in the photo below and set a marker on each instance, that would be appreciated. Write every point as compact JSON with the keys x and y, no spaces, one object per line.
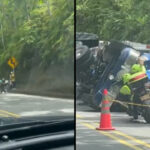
{"x":88,"y":99}
{"x":88,"y":39}
{"x":94,"y":105}
{"x":146,"y":113}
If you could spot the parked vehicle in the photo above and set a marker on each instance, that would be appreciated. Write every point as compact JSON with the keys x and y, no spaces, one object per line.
{"x":139,"y":94}
{"x":4,"y":85}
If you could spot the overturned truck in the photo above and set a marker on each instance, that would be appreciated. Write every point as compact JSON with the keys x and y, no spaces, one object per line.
{"x":101,"y":65}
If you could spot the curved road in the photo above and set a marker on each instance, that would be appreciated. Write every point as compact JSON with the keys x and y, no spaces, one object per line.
{"x":20,"y":105}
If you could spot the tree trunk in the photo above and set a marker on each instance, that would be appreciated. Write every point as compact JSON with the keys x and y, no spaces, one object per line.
{"x":27,"y":10}
{"x":48,"y":7}
{"x":2,"y":36}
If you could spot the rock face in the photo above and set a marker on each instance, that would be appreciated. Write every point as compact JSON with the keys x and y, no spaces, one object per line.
{"x":54,"y":81}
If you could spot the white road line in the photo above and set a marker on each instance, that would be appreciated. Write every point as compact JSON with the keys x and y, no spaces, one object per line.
{"x":41,"y":97}
{"x":34,"y":113}
{"x":69,"y":110}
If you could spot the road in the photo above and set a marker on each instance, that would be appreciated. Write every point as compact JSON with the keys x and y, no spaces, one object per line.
{"x":129,"y":134}
{"x":21,"y":105}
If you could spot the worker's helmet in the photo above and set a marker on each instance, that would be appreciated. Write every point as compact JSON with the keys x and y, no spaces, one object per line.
{"x":126,"y":78}
{"x":136,"y":68}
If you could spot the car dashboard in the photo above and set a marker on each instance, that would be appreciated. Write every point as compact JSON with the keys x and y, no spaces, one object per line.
{"x":38,"y":135}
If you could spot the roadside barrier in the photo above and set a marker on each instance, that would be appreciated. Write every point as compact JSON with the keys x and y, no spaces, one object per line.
{"x":105,"y":118}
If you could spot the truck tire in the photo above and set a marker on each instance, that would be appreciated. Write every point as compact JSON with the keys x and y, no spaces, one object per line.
{"x":88,"y":39}
{"x":89,"y":101}
{"x":84,"y":54}
{"x":93,"y":104}
{"x":146,"y":113}
{"x":84,"y":58}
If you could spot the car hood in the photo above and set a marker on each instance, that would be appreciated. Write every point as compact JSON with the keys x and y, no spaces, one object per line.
{"x":9,"y":120}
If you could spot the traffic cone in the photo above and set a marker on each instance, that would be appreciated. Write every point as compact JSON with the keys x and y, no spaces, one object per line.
{"x":105,"y":119}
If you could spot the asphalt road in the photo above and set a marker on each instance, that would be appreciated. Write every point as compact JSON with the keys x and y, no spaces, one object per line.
{"x":129,"y":134}
{"x":21,"y":105}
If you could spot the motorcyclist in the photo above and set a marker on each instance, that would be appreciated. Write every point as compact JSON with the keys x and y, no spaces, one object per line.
{"x":137,"y":74}
{"x":12,"y":79}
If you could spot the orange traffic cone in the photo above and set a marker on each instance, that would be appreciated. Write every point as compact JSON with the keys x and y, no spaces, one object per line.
{"x":105,"y":119}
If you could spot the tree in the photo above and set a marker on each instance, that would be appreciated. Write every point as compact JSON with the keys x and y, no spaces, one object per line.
{"x":115,"y":19}
{"x":36,"y":32}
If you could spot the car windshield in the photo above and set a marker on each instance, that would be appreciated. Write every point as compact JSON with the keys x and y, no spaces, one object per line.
{"x":36,"y":67}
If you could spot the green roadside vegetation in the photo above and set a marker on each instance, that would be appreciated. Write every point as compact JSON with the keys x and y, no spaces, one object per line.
{"x":40,"y":35}
{"x":115,"y":19}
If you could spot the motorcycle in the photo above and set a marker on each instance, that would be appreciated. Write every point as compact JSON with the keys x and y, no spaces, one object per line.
{"x":4,"y":86}
{"x":139,"y":98}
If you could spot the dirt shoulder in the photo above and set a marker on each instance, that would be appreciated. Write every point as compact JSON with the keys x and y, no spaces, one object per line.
{"x":44,"y":93}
